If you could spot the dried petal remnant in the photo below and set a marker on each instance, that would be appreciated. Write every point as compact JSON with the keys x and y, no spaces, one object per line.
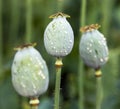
{"x":89,"y":28}
{"x":59,"y":14}
{"x":25,"y":45}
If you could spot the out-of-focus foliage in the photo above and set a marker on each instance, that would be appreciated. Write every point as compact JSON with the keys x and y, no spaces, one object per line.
{"x":13,"y":33}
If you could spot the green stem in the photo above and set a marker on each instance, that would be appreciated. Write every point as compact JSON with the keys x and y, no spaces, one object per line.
{"x":81,"y":66}
{"x":1,"y":43}
{"x":81,"y":85}
{"x":34,"y":107}
{"x":106,"y":13}
{"x":83,"y":12}
{"x":58,"y":65}
{"x":15,"y":15}
{"x":28,"y":20}
{"x":99,"y":90}
{"x":60,"y":5}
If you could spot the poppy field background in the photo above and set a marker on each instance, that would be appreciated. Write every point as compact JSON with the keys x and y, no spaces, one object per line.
{"x":24,"y":21}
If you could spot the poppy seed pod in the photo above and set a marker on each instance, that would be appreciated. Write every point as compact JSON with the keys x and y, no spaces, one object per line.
{"x":93,"y":48}
{"x":58,"y":36}
{"x":29,"y":72}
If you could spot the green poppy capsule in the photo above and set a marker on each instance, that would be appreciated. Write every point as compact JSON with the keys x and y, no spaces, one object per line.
{"x":58,"y":36}
{"x":93,"y":48}
{"x":29,"y":72}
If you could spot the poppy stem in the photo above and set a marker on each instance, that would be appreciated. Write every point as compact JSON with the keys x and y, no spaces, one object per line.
{"x":99,"y":90}
{"x":34,"y":102}
{"x":28,"y":21}
{"x":58,"y":65}
{"x":81,"y":66}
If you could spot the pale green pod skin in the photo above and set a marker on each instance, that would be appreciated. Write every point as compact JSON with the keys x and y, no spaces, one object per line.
{"x":93,"y":49}
{"x":59,"y":37}
{"x":29,"y":72}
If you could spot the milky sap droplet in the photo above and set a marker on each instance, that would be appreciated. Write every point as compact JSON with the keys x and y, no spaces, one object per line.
{"x":66,"y":32}
{"x":101,"y":60}
{"x":23,"y":85}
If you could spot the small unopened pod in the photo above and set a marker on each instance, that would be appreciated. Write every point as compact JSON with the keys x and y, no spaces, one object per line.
{"x":93,"y":48}
{"x":29,"y":72}
{"x":58,"y":36}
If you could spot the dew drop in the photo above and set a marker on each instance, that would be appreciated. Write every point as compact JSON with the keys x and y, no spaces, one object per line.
{"x":51,"y":43}
{"x":65,"y":32}
{"x":42,"y":66}
{"x":95,"y":56}
{"x":61,"y":51}
{"x":90,"y":45}
{"x":56,"y":51}
{"x":70,"y":41}
{"x":90,"y":51}
{"x":65,"y":52}
{"x":33,"y":85}
{"x":88,"y":48}
{"x":28,"y":64}
{"x":34,"y":90}
{"x":23,"y":85}
{"x":91,"y":40}
{"x":101,"y":42}
{"x":54,"y":48}
{"x":41,"y":74}
{"x":101,"y":60}
{"x":104,"y":38}
{"x":68,"y":47}
{"x":39,"y":63}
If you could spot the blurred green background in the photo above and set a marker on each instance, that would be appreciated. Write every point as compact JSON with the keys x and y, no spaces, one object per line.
{"x":24,"y":21}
